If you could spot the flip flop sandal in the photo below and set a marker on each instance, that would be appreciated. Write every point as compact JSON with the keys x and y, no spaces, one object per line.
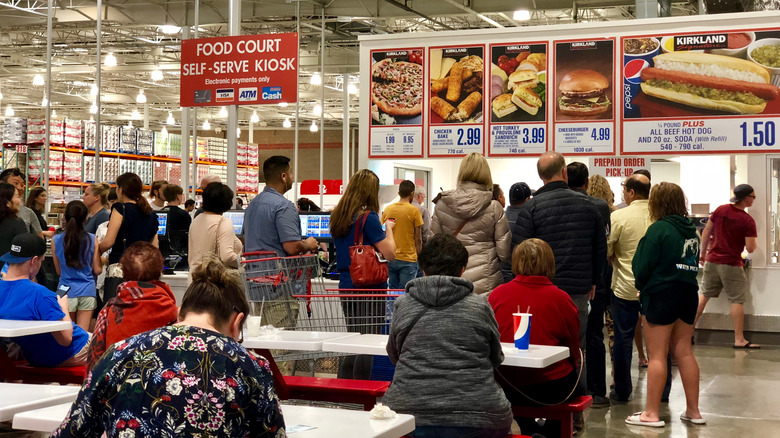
{"x":636,"y":420}
{"x":688,"y":419}
{"x":748,"y":346}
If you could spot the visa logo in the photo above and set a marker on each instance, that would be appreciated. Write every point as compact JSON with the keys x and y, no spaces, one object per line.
{"x":272,"y":93}
{"x":247,"y":94}
{"x":225,"y":94}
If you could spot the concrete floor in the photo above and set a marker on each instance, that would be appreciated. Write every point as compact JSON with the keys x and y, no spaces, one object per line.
{"x":739,"y":397}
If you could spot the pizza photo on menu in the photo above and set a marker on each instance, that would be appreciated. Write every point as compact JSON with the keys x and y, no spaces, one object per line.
{"x":457,"y":81}
{"x":396,"y":87}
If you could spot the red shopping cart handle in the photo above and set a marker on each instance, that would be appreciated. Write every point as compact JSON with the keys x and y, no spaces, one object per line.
{"x":255,"y":253}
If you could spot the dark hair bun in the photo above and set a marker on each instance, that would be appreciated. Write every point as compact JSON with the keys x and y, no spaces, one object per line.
{"x":213,"y":271}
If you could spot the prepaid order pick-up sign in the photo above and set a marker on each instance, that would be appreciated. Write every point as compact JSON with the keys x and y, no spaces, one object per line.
{"x":617,"y":166}
{"x":246,"y":69}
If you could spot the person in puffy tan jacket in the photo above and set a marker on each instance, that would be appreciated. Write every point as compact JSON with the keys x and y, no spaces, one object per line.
{"x":484,"y":230}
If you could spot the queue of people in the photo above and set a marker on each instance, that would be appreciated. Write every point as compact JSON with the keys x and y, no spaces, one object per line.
{"x":559,"y":251}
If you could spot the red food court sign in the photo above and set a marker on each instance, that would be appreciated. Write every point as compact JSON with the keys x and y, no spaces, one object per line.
{"x":246,"y":69}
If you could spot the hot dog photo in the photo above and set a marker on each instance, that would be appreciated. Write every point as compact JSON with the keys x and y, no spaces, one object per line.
{"x":457,"y":81}
{"x":714,"y":74}
{"x":518,"y":83}
{"x":583,"y":80}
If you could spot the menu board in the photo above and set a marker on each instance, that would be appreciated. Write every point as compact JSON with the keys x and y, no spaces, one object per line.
{"x":397,"y":86}
{"x":455,"y":100}
{"x":518,"y":99}
{"x":584,"y":114}
{"x":701,"y":92}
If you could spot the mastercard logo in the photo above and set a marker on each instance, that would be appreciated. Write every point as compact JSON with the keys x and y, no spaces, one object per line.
{"x":632,"y":71}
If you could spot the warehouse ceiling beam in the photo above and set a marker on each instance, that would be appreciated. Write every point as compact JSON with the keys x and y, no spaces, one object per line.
{"x":408,"y":9}
{"x":482,"y":17}
{"x":31,"y":7}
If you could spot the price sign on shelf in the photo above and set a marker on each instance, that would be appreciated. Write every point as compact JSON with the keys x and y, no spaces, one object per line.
{"x":738,"y":135}
{"x":584,"y":138}
{"x":21,"y":149}
{"x":455,"y":140}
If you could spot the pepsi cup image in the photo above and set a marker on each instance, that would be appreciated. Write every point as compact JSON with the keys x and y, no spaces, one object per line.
{"x":638,"y":54}
{"x":522,"y":329}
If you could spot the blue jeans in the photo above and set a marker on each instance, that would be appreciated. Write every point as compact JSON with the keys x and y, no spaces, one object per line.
{"x":401,"y":272}
{"x":456,"y":432}
{"x":625,"y":315}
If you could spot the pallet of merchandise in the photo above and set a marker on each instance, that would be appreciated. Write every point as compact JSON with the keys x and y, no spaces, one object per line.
{"x":73,"y":133}
{"x":144,"y":141}
{"x":71,"y":170}
{"x":109,"y":167}
{"x":15,"y":131}
{"x":145,"y":170}
{"x":174,"y":173}
{"x":89,"y":135}
{"x":161,"y":147}
{"x":174,"y":145}
{"x":128,"y":138}
{"x":89,"y":168}
{"x":111,"y":139}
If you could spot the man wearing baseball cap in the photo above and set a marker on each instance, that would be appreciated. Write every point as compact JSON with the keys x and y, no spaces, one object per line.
{"x":22,"y":299}
{"x":730,"y":230}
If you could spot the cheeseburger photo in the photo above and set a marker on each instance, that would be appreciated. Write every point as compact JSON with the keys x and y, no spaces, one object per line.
{"x":713,"y":82}
{"x":583,"y":93}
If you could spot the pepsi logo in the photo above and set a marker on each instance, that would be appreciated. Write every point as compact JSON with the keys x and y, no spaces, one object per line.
{"x":632,"y":71}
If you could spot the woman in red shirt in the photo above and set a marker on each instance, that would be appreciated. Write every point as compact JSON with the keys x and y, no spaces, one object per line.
{"x":554,"y":322}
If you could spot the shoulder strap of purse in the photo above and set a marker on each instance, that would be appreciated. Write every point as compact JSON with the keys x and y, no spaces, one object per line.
{"x":216,"y":237}
{"x":465,"y":221}
{"x":359,"y":224}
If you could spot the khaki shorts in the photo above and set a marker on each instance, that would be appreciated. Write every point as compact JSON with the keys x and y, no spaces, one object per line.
{"x":79,"y":358}
{"x":731,"y":279}
{"x":82,"y":303}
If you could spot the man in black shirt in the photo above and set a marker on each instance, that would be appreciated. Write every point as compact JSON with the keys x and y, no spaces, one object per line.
{"x":178,"y":224}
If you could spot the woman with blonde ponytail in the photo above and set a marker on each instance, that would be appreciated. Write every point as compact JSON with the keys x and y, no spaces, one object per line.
{"x":132,"y":220}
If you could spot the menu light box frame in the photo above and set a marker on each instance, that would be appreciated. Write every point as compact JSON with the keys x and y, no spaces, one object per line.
{"x":522,"y":125}
{"x":555,"y":121}
{"x":467,"y":127}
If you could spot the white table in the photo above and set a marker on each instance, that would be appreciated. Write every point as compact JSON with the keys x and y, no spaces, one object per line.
{"x":19,"y":397}
{"x":295,"y":340}
{"x":10,"y":328}
{"x":178,"y":282}
{"x":328,"y":422}
{"x":538,"y":356}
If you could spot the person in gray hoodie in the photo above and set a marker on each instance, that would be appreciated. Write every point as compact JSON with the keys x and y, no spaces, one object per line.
{"x":445,"y":343}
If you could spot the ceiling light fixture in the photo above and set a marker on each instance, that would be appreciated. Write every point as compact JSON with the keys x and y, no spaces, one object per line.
{"x":317,"y":110}
{"x":164,"y":131}
{"x":316,"y":79}
{"x":169,"y":29}
{"x":93,"y":91}
{"x":283,"y":104}
{"x":352,"y":89}
{"x":45,"y":102}
{"x":157,"y":75}
{"x":287,"y":122}
{"x":91,"y":119}
{"x":522,"y":15}
{"x":110,"y":60}
{"x":255,"y":118}
{"x":171,"y":120}
{"x":206,"y":125}
{"x":223,"y":113}
{"x":129,"y":124}
{"x":141,"y":98}
{"x":9,"y":111}
{"x":135,"y":115}
{"x":53,"y":113}
{"x":238,"y":132}
{"x":38,"y":80}
{"x":313,"y":127}
{"x":93,"y":108}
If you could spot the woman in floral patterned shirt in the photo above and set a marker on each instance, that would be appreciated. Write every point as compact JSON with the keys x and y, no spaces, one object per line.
{"x":190,"y":379}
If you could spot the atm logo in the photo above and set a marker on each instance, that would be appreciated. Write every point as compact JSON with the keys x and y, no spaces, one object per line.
{"x":225,"y":94}
{"x":247,"y":94}
{"x":272,"y":93}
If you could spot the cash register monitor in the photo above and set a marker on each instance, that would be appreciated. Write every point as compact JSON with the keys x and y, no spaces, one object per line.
{"x":236,"y":217}
{"x":316,"y":224}
{"x":162,"y":224}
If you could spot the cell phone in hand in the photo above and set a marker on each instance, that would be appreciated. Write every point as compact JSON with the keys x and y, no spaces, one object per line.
{"x":63,"y":290}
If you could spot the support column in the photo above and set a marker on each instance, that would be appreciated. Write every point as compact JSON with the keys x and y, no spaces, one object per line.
{"x":45,"y":176}
{"x":322,"y":104}
{"x":297,"y":102}
{"x":98,"y":128}
{"x":345,"y":134}
{"x":234,"y":23}
{"x":194,"y":142}
{"x":146,"y":115}
{"x":646,"y":8}
{"x":185,"y":133}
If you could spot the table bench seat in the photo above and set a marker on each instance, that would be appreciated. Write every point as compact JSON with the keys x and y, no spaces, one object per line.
{"x":61,"y":375}
{"x":363,"y":392}
{"x":563,"y":412}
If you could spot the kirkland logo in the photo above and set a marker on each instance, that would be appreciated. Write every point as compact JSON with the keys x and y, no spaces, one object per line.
{"x":247,"y":94}
{"x":272,"y":93}
{"x":225,"y":94}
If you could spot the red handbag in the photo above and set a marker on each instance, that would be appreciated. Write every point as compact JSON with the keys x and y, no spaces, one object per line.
{"x":365,"y":268}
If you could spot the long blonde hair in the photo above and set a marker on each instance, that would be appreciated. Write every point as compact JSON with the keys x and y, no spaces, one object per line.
{"x":361,"y":195}
{"x":598,"y":187}
{"x":475,"y":168}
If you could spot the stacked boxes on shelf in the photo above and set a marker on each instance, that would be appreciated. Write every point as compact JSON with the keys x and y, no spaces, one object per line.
{"x":174,"y":174}
{"x":73,"y":134}
{"x":247,"y":180}
{"x":89,"y":168}
{"x":10,"y":158}
{"x":174,"y":145}
{"x":161,"y":171}
{"x":202,"y":148}
{"x":36,"y":131}
{"x":220,"y":171}
{"x":127,"y":139}
{"x":253,"y":155}
{"x":15,"y":130}
{"x":242,"y":151}
{"x":126,"y":165}
{"x":89,"y":135}
{"x":35,"y":166}
{"x":202,"y":171}
{"x":161,"y":147}
{"x":71,"y":170}
{"x":110,"y":139}
{"x":57,"y":132}
{"x":56,"y":165}
{"x":109,"y":166}
{"x":145,"y":170}
{"x":144,"y":142}
{"x":216,"y":150}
